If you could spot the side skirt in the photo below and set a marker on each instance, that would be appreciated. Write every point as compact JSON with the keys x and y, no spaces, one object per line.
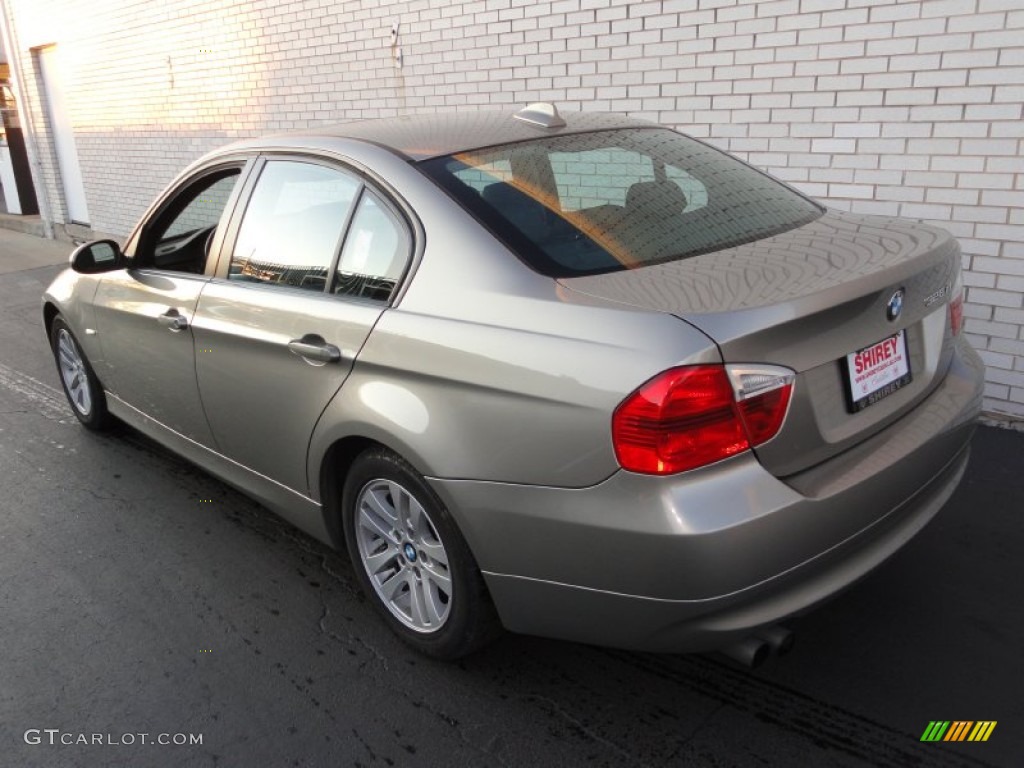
{"x":297,"y":508}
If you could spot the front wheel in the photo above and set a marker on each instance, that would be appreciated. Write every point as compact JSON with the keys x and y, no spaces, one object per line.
{"x":80,"y":384}
{"x":411,"y":560}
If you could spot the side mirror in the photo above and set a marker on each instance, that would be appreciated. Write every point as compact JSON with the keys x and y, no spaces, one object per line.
{"x":97,"y":256}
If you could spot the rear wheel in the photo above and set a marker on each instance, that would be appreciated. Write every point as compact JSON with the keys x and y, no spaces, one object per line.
{"x":80,"y":384}
{"x":411,"y":560}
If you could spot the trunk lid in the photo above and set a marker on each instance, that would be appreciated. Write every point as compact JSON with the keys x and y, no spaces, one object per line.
{"x":806,"y":299}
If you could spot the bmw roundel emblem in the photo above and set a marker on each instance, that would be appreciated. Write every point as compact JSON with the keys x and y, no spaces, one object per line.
{"x":895,"y":305}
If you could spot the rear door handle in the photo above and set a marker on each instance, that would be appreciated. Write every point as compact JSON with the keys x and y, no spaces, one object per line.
{"x":314,"y":348}
{"x":173,"y":320}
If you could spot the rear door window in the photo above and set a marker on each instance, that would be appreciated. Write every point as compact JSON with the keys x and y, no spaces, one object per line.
{"x":293,"y":225}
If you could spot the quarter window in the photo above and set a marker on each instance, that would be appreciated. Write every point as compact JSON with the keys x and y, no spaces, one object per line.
{"x":375,"y":252}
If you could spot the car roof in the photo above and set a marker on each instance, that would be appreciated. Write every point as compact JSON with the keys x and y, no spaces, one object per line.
{"x":421,"y":137}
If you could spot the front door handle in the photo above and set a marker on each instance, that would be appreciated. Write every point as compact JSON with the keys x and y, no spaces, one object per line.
{"x":314,"y":349}
{"x":173,"y":320}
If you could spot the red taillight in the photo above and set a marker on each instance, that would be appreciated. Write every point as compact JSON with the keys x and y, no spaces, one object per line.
{"x":691,"y":416}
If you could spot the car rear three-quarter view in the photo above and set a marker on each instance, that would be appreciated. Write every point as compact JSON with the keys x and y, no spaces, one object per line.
{"x":607,"y":384}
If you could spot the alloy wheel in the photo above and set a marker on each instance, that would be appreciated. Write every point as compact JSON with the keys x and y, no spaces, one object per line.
{"x":73,"y":374}
{"x":403,"y":555}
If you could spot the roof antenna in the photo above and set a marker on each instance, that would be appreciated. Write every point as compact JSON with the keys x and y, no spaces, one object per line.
{"x":541,"y":113}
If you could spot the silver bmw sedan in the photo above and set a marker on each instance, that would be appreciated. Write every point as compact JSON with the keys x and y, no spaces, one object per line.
{"x":582,"y":377}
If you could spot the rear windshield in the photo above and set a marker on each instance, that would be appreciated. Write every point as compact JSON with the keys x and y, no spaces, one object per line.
{"x":597,"y":202}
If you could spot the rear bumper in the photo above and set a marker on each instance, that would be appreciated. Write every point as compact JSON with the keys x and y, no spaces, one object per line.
{"x":693,"y":561}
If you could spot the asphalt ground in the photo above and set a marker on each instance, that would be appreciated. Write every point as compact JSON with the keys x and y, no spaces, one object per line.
{"x":138,"y":595}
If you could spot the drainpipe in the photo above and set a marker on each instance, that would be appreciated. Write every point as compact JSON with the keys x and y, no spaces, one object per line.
{"x":9,"y":36}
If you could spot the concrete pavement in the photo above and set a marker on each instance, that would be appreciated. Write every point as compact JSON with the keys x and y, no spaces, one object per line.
{"x":20,"y":251}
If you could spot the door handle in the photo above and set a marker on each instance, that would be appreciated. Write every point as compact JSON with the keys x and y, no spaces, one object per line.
{"x":173,"y":320}
{"x":314,"y":348}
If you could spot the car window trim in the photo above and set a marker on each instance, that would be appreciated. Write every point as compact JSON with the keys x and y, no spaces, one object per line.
{"x":227,"y":239}
{"x":340,"y":248}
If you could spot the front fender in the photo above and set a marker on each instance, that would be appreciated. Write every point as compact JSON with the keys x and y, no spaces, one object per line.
{"x":71,"y":295}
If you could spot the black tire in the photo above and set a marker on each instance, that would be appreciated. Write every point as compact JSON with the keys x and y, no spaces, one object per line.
{"x":86,"y":398}
{"x":470,"y":621}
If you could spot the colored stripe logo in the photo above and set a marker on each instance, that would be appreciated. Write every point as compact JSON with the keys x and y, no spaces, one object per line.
{"x":958,"y":730}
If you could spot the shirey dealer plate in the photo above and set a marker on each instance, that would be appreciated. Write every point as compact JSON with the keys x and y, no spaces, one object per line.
{"x":877,"y":371}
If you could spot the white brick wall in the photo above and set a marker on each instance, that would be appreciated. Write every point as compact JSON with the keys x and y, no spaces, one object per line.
{"x":904,"y":107}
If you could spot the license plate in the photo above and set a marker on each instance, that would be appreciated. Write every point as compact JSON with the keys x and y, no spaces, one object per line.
{"x":877,"y":371}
